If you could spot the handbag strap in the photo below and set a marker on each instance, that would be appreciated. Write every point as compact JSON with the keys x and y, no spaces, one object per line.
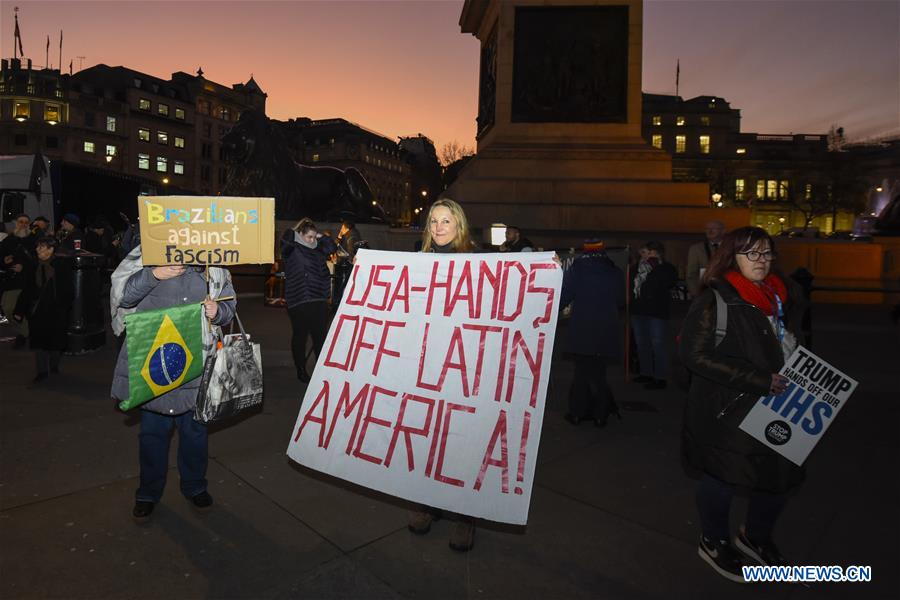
{"x":241,"y":327}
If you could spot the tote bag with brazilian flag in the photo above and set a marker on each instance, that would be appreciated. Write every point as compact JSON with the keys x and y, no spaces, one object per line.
{"x":165,"y":350}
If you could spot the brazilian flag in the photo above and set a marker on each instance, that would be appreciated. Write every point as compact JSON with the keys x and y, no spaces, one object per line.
{"x":165,"y":350}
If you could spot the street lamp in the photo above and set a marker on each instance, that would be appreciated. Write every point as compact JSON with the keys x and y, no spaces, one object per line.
{"x":717,"y":199}
{"x":781,"y":220}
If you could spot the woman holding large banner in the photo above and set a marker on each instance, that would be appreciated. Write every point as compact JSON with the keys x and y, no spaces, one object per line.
{"x":733,"y":363}
{"x":307,"y":283}
{"x":447,"y":232}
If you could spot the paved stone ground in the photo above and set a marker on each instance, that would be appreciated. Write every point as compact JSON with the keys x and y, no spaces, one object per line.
{"x":612,"y":512}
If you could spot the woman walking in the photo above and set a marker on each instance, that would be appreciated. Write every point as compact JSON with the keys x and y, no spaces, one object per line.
{"x":305,"y":252}
{"x":730,"y":374}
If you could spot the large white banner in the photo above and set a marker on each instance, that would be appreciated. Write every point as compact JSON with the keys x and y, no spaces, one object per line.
{"x":793,"y":422}
{"x":432,"y":381}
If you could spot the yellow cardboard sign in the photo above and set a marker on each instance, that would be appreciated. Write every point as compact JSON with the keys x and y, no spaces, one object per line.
{"x":206,"y":230}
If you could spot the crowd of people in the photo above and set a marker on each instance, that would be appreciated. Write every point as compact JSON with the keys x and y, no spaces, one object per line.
{"x":727,"y":371}
{"x":36,"y":278}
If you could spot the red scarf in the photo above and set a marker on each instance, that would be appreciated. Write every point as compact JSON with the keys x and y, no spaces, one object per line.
{"x":761,"y":296}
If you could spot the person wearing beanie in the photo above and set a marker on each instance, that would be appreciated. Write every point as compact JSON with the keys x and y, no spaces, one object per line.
{"x":70,"y":233}
{"x":595,"y":288}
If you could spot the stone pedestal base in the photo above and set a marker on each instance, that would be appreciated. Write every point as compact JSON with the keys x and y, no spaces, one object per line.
{"x":610,"y":187}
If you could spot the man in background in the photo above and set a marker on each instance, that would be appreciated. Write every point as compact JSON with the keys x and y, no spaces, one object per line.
{"x":514,"y":241}
{"x":700,"y":253}
{"x":16,"y":253}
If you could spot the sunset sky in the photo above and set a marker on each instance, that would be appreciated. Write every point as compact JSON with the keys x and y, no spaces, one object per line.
{"x":403,"y":67}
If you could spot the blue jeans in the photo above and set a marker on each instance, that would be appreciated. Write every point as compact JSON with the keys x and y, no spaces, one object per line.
{"x":714,"y":504}
{"x":650,"y":339}
{"x":156,"y":433}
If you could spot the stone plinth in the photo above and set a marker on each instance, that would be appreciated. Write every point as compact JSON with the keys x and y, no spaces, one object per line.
{"x":559,"y":121}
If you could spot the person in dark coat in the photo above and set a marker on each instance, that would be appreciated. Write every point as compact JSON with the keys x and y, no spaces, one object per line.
{"x":16,"y":253}
{"x":595,"y":288}
{"x":651,"y":285}
{"x":728,"y":379}
{"x":307,"y":283}
{"x":46,"y":300}
{"x":515,"y":241}
{"x":349,"y":238}
{"x":69,"y":234}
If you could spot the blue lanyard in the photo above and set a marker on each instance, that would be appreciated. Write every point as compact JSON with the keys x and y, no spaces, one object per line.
{"x":779,"y":314}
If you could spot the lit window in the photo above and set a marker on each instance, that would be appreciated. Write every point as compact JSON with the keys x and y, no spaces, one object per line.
{"x":680,"y":144}
{"x":738,"y":189}
{"x":29,"y":89}
{"x":144,"y":135}
{"x":807,"y":193}
{"x":110,"y":123}
{"x":771,"y":188}
{"x":179,"y":114}
{"x":144,"y":104}
{"x":761,"y":189}
{"x":110,"y":150}
{"x":144,"y":162}
{"x":179,"y":142}
{"x":58,"y":93}
{"x":163,"y":109}
{"x":89,"y":147}
{"x":178,"y":167}
{"x":657,"y":119}
{"x":679,"y":120}
{"x":704,"y":121}
{"x":51,"y":113}
{"x":657,"y":141}
{"x":783,"y":189}
{"x":741,"y":151}
{"x":225,"y":113}
{"x":162,"y":164}
{"x":704,"y":144}
{"x":315,"y":158}
{"x":23,"y":111}
{"x":162,"y":138}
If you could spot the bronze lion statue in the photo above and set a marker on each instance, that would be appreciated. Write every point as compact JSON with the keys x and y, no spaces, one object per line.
{"x":260,"y":164}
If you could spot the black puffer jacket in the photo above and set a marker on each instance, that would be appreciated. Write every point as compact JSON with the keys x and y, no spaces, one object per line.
{"x":306,"y":275}
{"x":731,"y":378}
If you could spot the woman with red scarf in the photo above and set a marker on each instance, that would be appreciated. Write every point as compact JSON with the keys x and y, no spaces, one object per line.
{"x":728,"y":378}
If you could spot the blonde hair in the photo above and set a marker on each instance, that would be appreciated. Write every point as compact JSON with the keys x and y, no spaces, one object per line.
{"x":462,"y":242}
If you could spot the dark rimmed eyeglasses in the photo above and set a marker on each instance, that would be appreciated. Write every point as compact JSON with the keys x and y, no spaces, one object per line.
{"x":755,"y":256}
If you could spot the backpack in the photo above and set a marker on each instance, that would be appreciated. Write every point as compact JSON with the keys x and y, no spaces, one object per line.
{"x":721,"y":318}
{"x":682,"y":375}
